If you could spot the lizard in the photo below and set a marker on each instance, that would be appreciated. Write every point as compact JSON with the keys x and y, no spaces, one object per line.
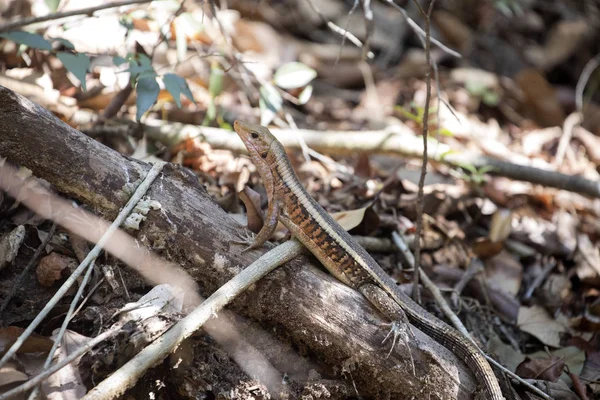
{"x":340,"y":254}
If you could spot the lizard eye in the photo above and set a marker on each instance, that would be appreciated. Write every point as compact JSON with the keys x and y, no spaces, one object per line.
{"x":254,"y":135}
{"x":264,"y":155}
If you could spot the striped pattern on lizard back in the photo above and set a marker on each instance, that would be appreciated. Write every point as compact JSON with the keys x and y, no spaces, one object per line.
{"x":329,"y":240}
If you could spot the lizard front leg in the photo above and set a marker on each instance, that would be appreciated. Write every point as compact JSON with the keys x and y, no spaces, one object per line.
{"x":273,"y":211}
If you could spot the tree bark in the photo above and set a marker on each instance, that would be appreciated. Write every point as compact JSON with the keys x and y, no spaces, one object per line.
{"x":299,"y":302}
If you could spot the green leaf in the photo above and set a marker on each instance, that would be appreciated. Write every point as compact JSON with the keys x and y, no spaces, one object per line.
{"x":408,"y":115}
{"x":126,"y":20}
{"x":215,"y":82}
{"x":118,"y":60}
{"x":485,"y":169}
{"x":294,"y":75}
{"x":270,"y":103}
{"x":448,"y":152}
{"x":211,"y":110}
{"x":446,"y":132}
{"x":28,"y":39}
{"x":475,"y":88}
{"x":52,"y":5}
{"x":305,"y":94}
{"x":225,"y":125}
{"x":144,"y":61}
{"x":65,"y":43}
{"x":490,"y":98}
{"x":147,"y":90}
{"x":141,"y":66}
{"x":468,"y":167}
{"x":176,"y":85}
{"x":78,"y":64}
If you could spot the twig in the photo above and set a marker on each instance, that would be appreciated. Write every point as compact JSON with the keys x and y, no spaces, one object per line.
{"x":305,"y":149}
{"x":17,"y":282}
{"x":82,"y":11}
{"x":415,"y":290}
{"x":370,"y":89}
{"x":128,"y":374}
{"x":341,"y":31}
{"x":368,"y":15}
{"x":571,"y":122}
{"x":376,"y":244}
{"x":475,"y":267}
{"x":583,"y":80}
{"x":419,"y":31}
{"x":140,"y":191}
{"x":539,"y":279}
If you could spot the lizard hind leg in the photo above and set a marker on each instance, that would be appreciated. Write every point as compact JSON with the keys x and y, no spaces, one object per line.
{"x":400,"y":331}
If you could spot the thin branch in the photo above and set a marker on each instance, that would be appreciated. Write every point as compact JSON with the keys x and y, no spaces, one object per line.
{"x":573,"y":120}
{"x":369,"y":26}
{"x":82,"y":11}
{"x":583,"y":80}
{"x":415,"y":291}
{"x":336,"y":29}
{"x":419,"y":31}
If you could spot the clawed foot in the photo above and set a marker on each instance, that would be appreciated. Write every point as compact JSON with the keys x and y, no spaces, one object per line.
{"x":400,"y":333}
{"x":249,"y":241}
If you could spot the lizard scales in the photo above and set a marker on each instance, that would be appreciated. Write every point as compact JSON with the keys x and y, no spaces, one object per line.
{"x":337,"y":250}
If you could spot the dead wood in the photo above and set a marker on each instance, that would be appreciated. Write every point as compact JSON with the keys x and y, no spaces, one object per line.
{"x":299,"y":302}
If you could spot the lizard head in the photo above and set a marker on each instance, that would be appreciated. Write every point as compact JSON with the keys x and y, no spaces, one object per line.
{"x":257,"y":139}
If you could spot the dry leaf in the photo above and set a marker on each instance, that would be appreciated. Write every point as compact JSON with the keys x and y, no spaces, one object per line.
{"x":33,"y":343}
{"x":350,"y":219}
{"x":486,"y":248}
{"x":563,"y":40}
{"x":537,"y":322}
{"x":534,"y":141}
{"x":363,"y":166}
{"x":457,"y":33}
{"x":9,"y":374}
{"x":548,"y":369}
{"x":555,"y":290}
{"x":500,"y":227}
{"x":540,"y":100}
{"x":572,"y":356}
{"x":67,"y":383}
{"x":507,"y":355}
{"x":51,"y":267}
{"x":254,"y":212}
{"x":587,"y":257}
{"x":504,"y":271}
{"x":590,"y":141}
